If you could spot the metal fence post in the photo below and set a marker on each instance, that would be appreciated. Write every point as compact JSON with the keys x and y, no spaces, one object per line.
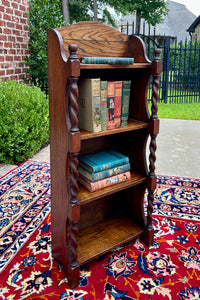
{"x":166,"y":57}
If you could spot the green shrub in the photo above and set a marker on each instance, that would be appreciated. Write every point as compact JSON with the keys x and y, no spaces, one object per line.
{"x":43,"y":14}
{"x":24,"y":121}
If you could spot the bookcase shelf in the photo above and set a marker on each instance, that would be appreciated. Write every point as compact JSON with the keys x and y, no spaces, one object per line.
{"x":110,"y":234}
{"x":86,"y":225}
{"x":84,"y":196}
{"x":107,"y":66}
{"x":132,"y":125}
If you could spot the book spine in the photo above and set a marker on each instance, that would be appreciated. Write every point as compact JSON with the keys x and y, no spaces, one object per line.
{"x":110,"y":165}
{"x":89,"y":114}
{"x":103,"y":160}
{"x":103,"y":88}
{"x":106,"y":182}
{"x":108,"y":60}
{"x":96,"y":104}
{"x":118,"y":99}
{"x":110,"y":104}
{"x":103,"y":174}
{"x":126,"y":85}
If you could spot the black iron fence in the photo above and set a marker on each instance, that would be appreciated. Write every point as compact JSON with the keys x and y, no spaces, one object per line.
{"x":180,"y":79}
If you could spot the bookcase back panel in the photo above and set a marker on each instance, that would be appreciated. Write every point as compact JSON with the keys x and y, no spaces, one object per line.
{"x":115,"y":74}
{"x":95,"y":39}
{"x":131,"y":144}
{"x":90,"y":31}
{"x":98,"y":39}
{"x":97,"y":211}
{"x":132,"y":203}
{"x":95,"y":145}
{"x":94,"y":48}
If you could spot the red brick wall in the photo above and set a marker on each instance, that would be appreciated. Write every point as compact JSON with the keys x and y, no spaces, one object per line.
{"x":14,"y":37}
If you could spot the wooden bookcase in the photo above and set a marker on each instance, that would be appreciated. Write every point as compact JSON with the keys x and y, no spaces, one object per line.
{"x":86,"y":225}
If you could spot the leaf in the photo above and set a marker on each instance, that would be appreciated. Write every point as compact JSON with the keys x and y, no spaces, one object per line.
{"x":164,"y":291}
{"x":142,"y":264}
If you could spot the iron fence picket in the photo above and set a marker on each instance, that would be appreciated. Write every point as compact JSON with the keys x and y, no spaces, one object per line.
{"x":180,"y":79}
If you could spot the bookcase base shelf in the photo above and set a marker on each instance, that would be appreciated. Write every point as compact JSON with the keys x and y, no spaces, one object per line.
{"x":105,"y":236}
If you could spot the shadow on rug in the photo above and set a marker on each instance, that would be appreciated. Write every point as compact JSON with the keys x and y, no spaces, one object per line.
{"x":170,"y":269}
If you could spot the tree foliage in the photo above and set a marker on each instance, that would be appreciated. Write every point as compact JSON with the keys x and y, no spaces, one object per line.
{"x":46,"y":14}
{"x":150,"y":10}
{"x":43,"y":14}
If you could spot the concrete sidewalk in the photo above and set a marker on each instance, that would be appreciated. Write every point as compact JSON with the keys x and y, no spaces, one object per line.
{"x":178,"y":149}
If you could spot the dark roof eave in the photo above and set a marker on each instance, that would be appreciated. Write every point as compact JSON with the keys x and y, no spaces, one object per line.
{"x":194,"y":25}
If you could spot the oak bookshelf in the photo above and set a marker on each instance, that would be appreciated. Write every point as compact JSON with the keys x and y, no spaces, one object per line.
{"x":86,"y":225}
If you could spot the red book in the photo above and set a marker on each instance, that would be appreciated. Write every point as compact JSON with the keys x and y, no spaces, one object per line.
{"x":103,"y":183}
{"x":118,"y":103}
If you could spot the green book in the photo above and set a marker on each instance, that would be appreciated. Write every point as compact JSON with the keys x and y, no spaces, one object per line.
{"x":94,"y":176}
{"x":108,"y":60}
{"x":126,"y":86}
{"x":103,"y":160}
{"x":103,"y":97}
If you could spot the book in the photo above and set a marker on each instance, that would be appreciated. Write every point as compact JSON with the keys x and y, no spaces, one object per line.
{"x":103,"y":174}
{"x":99,"y":161}
{"x":126,"y":86}
{"x":89,"y":113}
{"x":103,"y":100}
{"x":97,"y":185}
{"x":108,"y":60}
{"x":117,"y":103}
{"x":110,"y":104}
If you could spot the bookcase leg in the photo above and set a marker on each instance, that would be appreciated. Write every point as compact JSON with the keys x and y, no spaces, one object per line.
{"x":74,"y":148}
{"x":73,"y":219}
{"x":153,"y":130}
{"x":73,"y":268}
{"x":73,"y":277}
{"x":149,"y":231}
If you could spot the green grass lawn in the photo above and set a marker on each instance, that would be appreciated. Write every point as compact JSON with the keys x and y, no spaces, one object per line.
{"x":179,"y":111}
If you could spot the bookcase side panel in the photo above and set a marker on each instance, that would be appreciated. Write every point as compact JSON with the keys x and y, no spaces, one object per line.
{"x":138,"y":108}
{"x":58,"y":142}
{"x":62,"y":87}
{"x":137,"y":49}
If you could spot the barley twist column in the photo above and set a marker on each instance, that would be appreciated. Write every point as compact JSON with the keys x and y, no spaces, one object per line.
{"x":153,"y":130}
{"x":74,"y":148}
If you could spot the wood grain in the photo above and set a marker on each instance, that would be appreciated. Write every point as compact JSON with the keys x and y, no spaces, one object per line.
{"x":132,"y":125}
{"x":103,"y":237}
{"x":84,"y":196}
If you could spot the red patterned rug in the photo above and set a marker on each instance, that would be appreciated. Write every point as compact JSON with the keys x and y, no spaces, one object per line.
{"x":170,"y":269}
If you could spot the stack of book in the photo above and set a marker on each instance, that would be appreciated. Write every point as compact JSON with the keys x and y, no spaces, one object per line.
{"x":102,"y":169}
{"x":103,"y":105}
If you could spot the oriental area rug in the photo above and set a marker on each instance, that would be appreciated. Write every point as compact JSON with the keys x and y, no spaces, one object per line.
{"x":170,"y":269}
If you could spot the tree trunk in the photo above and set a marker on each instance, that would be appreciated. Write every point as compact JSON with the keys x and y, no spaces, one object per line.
{"x":138,"y":21}
{"x":65,"y":8}
{"x":95,"y":10}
